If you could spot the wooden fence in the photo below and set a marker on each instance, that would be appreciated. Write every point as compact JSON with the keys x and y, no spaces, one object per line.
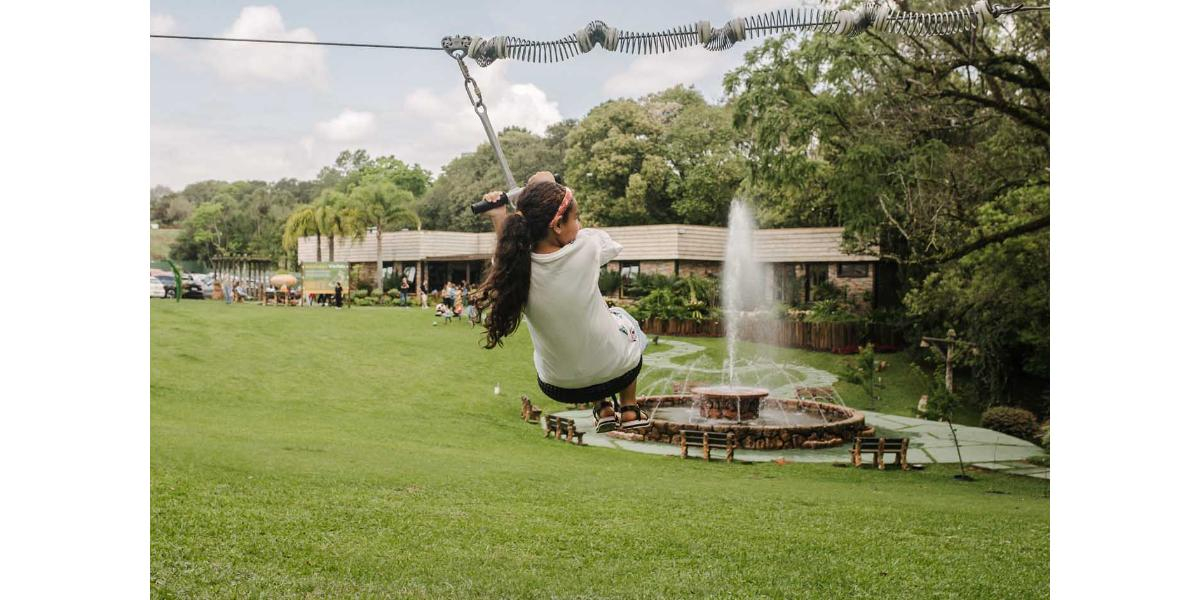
{"x":843,"y":338}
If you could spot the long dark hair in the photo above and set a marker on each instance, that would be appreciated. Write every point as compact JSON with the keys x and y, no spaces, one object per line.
{"x":506,"y":288}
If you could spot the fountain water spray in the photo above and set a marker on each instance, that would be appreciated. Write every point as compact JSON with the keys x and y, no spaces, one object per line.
{"x":744,"y":283}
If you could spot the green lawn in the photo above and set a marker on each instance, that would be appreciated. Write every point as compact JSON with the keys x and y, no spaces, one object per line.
{"x":299,"y":452}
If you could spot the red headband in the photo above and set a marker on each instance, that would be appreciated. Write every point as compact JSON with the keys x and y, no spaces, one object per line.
{"x":566,"y":201}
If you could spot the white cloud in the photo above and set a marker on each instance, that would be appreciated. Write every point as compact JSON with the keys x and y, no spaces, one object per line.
{"x":163,"y":24}
{"x":430,"y":126}
{"x":443,"y":124}
{"x":349,"y":126}
{"x":180,"y":155}
{"x":247,"y":62}
{"x":656,"y":72}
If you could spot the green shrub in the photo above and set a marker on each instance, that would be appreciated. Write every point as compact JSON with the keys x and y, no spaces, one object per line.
{"x":642,"y":284}
{"x":360,"y":294}
{"x":364,"y":301}
{"x":360,"y":278}
{"x":377,"y":293}
{"x":1044,"y":436}
{"x":661,"y":303}
{"x":941,"y":404}
{"x":696,"y":290}
{"x":861,"y":371}
{"x":692,"y":298}
{"x":398,"y":302}
{"x":609,"y":282}
{"x":828,"y":290}
{"x":831,"y":311}
{"x":892,"y":317}
{"x":394,"y":293}
{"x":1014,"y":421}
{"x":392,"y":281}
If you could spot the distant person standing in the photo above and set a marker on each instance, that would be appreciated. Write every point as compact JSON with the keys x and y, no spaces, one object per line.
{"x":423,"y":290}
{"x":404,"y":291}
{"x":337,"y":294}
{"x":227,"y":290}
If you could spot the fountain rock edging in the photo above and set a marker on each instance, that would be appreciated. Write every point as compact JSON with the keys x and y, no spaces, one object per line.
{"x":848,"y":423}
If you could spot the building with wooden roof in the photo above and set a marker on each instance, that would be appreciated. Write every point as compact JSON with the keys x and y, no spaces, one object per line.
{"x":801,"y":259}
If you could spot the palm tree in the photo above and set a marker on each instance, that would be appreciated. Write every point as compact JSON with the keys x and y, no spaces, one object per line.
{"x":339,"y":216}
{"x":301,"y":223}
{"x":382,"y":205}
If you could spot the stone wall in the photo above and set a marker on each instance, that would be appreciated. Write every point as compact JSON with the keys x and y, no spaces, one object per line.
{"x":858,"y":287}
{"x":699,"y":268}
{"x":659,"y":267}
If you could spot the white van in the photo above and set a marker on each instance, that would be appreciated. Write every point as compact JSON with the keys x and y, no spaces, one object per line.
{"x":156,"y":288}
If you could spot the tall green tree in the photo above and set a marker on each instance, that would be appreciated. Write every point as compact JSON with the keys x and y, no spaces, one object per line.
{"x":337,"y":216}
{"x":929,"y":151}
{"x":669,"y":157}
{"x":303,"y":222}
{"x":381,"y":206}
{"x":468,"y":177}
{"x":203,"y":230}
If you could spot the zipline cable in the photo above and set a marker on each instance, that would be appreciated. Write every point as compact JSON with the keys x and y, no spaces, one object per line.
{"x":876,"y":15}
{"x":344,"y":44}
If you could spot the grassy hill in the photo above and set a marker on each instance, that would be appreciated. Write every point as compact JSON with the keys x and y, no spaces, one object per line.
{"x":316,"y":452}
{"x":160,"y":242}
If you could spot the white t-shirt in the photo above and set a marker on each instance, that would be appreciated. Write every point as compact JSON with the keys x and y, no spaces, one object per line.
{"x":576,"y":340}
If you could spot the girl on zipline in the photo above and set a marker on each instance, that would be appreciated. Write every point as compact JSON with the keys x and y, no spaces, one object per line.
{"x":547,"y":267}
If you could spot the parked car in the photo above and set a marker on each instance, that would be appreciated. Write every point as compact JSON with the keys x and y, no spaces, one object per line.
{"x":206,"y":283}
{"x":168,"y":283}
{"x":192,"y":290}
{"x":156,"y":288}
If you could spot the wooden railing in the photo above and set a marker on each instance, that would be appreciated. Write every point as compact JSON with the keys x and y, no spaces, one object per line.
{"x":823,"y":337}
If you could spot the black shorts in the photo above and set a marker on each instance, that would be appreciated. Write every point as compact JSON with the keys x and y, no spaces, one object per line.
{"x":592,"y":393}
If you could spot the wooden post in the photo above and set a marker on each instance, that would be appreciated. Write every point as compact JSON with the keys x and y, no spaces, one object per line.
{"x":683,"y":451}
{"x":879,"y":455}
{"x":729,"y":447}
{"x":706,"y":450}
{"x":902,"y":460}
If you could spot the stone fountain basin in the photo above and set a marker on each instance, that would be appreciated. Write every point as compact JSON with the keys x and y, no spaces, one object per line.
{"x":841,"y":424}
{"x":730,"y":402}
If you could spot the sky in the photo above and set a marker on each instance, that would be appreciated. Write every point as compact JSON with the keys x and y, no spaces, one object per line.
{"x":229,"y":111}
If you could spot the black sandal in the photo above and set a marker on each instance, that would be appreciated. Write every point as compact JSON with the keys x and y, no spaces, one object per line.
{"x":642,"y":420}
{"x":605,"y":424}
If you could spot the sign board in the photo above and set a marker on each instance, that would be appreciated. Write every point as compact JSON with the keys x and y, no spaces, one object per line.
{"x":319,"y":277}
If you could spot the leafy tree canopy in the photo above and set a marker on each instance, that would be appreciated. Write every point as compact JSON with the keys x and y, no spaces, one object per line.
{"x":669,"y":157}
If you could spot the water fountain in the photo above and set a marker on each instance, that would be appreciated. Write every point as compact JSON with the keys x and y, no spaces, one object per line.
{"x":745,"y":409}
